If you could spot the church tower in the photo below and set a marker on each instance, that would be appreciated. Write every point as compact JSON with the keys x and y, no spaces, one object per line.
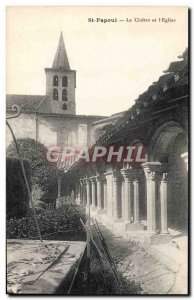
{"x":61,"y":82}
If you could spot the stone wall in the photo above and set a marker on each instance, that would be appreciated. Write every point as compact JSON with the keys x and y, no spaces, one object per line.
{"x":53,"y":130}
{"x":23,"y":127}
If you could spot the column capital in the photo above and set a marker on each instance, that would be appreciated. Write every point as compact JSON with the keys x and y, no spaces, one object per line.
{"x":131,"y":174}
{"x":84,"y":181}
{"x":185,"y":157}
{"x":117,"y":175}
{"x":164,"y":177}
{"x":81,"y":181}
{"x":102,"y":177}
{"x":127,"y":174}
{"x":108,"y":173}
{"x":137,"y":173}
{"x":98,"y":179}
{"x":152,"y":170}
{"x":92,"y":179}
{"x":87,"y":181}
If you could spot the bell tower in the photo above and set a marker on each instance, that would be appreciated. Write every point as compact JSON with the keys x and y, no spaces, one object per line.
{"x":61,"y":82}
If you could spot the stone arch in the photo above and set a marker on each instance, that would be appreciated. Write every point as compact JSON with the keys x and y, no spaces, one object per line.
{"x":64,"y":81}
{"x":64,"y":106}
{"x":55,"y":80}
{"x":168,"y":143}
{"x":162,"y":140}
{"x":64,"y":95}
{"x":55,"y":94}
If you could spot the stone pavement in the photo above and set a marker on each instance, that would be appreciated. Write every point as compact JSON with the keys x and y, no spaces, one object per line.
{"x":142,"y":265}
{"x":30,"y":269}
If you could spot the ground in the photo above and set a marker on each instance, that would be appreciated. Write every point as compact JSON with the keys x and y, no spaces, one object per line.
{"x":136,"y":263}
{"x":39,"y":268}
{"x":155,"y":269}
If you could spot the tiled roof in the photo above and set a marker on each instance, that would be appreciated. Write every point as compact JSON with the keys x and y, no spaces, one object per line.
{"x":28,"y":103}
{"x":177,"y":66}
{"x":39,"y":103}
{"x":76,"y":116}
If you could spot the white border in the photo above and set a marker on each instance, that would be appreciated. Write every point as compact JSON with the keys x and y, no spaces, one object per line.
{"x":3,"y":4}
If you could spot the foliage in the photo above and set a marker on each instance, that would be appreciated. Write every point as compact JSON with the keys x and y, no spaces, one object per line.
{"x":46,"y":177}
{"x":37,"y":193}
{"x":44,"y":173}
{"x":30,"y":150}
{"x":101,"y":131}
{"x":16,"y":190}
{"x":55,"y":224}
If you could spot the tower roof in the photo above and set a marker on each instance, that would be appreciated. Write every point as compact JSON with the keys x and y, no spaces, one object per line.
{"x":61,"y":59}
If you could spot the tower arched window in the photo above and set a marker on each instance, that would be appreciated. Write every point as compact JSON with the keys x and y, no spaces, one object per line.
{"x":64,"y":107}
{"x":64,"y":81}
{"x":55,"y":80}
{"x":64,"y":95}
{"x":55,"y":94}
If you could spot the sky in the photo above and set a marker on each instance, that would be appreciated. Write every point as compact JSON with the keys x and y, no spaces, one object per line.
{"x":115,"y":61}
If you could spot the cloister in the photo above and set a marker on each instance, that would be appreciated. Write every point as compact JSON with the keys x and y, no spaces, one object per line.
{"x":132,"y":198}
{"x":151,"y":197}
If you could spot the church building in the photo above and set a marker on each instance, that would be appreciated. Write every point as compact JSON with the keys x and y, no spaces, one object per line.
{"x":51,"y":119}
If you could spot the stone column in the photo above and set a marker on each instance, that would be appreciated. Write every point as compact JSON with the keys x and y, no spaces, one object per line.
{"x":136,"y":199}
{"x":99,"y":199}
{"x":105,"y":193}
{"x":37,"y":128}
{"x":93,"y":192}
{"x":127,"y":195}
{"x":163,"y":203}
{"x":59,"y":200}
{"x":117,"y":180}
{"x":152,"y":170}
{"x":84,"y":192}
{"x":59,"y":186}
{"x":109,"y":194}
{"x":185,"y":157}
{"x":80,"y":191}
{"x":115,"y":195}
{"x":88,"y":192}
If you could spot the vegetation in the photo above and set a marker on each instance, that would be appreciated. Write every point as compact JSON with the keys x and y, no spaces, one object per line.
{"x":55,"y":224}
{"x":101,"y":281}
{"x":16,"y":190}
{"x":44,"y":173}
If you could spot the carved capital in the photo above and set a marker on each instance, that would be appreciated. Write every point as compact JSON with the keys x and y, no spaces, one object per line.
{"x":150,"y":175}
{"x":137,"y":174}
{"x":152,"y":170}
{"x":98,"y":180}
{"x":117,"y":176}
{"x":164,"y":177}
{"x":185,"y":157}
{"x":93,"y":179}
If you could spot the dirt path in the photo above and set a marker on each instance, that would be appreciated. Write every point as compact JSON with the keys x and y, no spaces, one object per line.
{"x":139,"y":266}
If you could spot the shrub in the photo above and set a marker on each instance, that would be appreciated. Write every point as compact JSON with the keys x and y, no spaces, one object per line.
{"x":30,"y":150}
{"x":44,"y":173}
{"x":37,"y":193}
{"x":55,"y":224}
{"x":46,"y":177}
{"x":16,"y":190}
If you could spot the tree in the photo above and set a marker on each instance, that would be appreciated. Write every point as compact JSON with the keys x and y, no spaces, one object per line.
{"x":30,"y":150}
{"x":16,"y":190}
{"x":44,"y":172}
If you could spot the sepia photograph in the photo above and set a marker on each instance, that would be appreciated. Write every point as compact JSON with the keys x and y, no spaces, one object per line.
{"x":97,"y":142}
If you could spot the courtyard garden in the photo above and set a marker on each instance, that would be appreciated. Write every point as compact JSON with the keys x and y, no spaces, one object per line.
{"x":55,"y":224}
